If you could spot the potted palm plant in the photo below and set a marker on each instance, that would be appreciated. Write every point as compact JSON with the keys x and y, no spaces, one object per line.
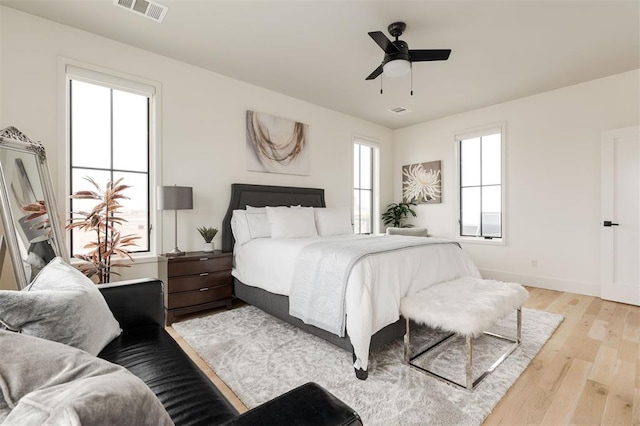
{"x":396,"y":214}
{"x":208,"y":234}
{"x":103,"y":220}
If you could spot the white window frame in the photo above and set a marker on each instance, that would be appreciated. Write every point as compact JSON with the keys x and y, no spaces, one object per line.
{"x":473,"y":133}
{"x":71,"y":69}
{"x":375,"y":183}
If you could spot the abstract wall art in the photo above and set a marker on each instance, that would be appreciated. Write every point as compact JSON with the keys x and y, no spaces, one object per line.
{"x":422,"y":183}
{"x":276,"y":145}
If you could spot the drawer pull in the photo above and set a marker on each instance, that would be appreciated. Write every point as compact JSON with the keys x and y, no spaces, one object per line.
{"x":204,"y":274}
{"x":204,"y":289}
{"x":204,"y":258}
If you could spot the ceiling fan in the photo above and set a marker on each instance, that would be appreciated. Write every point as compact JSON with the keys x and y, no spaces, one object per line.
{"x":397,"y":56}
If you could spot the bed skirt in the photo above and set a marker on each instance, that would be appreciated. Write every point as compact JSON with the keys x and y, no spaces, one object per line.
{"x":278,"y":306}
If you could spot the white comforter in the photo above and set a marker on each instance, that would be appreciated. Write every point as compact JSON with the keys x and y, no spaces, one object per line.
{"x":375,"y":286}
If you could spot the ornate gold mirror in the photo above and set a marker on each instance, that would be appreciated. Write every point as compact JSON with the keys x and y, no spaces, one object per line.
{"x":32,"y":231}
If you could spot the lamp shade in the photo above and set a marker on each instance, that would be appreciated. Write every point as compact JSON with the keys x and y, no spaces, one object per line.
{"x":396,"y":68}
{"x":175,"y":197}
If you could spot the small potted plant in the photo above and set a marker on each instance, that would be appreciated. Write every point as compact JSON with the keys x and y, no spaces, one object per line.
{"x":208,"y":234}
{"x":396,"y":214}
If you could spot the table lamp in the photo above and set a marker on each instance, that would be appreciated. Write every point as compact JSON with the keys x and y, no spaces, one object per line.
{"x":175,"y":198}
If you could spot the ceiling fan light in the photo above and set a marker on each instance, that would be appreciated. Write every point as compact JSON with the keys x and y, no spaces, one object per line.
{"x":396,"y":68}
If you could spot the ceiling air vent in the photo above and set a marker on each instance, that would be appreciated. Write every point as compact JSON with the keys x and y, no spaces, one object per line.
{"x":149,"y":9}
{"x":400,"y":110}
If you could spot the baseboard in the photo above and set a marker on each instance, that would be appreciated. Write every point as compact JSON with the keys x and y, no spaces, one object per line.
{"x":588,"y":289}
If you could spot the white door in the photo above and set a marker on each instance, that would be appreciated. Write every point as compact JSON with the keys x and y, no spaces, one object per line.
{"x":620,"y":230}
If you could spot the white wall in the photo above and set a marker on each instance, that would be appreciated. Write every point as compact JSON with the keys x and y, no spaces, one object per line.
{"x":552,"y":179}
{"x":203,"y":122}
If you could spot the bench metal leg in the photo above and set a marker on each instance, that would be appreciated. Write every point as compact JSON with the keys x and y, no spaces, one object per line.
{"x":519,"y":332}
{"x":469,"y":362}
{"x":407,"y":343}
{"x":470,"y":382}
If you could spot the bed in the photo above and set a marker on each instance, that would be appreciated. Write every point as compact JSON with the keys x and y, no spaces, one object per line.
{"x":364,"y":338}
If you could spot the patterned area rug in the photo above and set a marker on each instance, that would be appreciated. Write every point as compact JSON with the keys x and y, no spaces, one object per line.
{"x":260,"y":357}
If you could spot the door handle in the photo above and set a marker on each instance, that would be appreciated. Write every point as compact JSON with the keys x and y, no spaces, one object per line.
{"x":609,"y":223}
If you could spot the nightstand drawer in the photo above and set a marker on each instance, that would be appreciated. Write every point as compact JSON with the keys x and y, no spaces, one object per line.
{"x":197,"y":297}
{"x":196,"y":266}
{"x":204,"y":279}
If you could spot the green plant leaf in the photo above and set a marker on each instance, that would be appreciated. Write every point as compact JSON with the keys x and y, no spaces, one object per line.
{"x":396,"y":213}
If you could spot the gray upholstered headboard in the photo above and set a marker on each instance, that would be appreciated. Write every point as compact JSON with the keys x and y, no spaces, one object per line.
{"x":243,"y":195}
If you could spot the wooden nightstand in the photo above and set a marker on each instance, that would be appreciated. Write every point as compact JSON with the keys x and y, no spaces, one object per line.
{"x":197,"y":281}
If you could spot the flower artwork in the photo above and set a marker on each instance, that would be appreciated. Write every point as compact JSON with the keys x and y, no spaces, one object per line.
{"x":422,"y":183}
{"x":276,"y":145}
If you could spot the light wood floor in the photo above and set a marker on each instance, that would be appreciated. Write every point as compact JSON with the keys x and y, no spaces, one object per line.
{"x":587,"y":373}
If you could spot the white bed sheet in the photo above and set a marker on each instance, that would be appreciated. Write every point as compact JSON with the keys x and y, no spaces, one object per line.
{"x":375,"y":286}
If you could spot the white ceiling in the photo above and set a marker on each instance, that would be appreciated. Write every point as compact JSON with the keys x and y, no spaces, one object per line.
{"x":319,"y":50}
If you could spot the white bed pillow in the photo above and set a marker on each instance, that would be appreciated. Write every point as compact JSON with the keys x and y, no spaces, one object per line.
{"x":62,"y":305}
{"x":333,"y":221}
{"x":248,"y":225}
{"x":239,"y":226}
{"x":257,"y":209}
{"x":258,"y":225}
{"x":292,"y":223}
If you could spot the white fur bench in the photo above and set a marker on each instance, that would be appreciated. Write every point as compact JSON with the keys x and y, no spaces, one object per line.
{"x":466,"y":307}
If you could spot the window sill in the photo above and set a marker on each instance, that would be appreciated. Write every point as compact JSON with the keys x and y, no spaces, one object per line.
{"x":137,"y":259}
{"x":481,"y":240}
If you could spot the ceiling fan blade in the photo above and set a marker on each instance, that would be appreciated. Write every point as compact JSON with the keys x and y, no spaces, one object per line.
{"x":429,"y":55}
{"x":383,"y":42}
{"x":375,"y":73}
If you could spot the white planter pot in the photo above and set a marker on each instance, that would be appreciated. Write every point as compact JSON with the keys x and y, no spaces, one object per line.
{"x":207,"y":247}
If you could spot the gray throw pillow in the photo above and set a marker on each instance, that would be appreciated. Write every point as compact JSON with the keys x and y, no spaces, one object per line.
{"x":62,"y":305}
{"x":48,"y":383}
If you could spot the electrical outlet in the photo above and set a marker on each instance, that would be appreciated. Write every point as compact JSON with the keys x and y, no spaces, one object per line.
{"x":534,"y":263}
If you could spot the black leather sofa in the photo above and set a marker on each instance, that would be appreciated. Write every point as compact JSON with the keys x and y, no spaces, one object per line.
{"x":149,"y":352}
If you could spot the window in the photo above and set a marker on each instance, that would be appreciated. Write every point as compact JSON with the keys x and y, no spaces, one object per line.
{"x":364,"y":182}
{"x":481,"y":196}
{"x":109,"y":139}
